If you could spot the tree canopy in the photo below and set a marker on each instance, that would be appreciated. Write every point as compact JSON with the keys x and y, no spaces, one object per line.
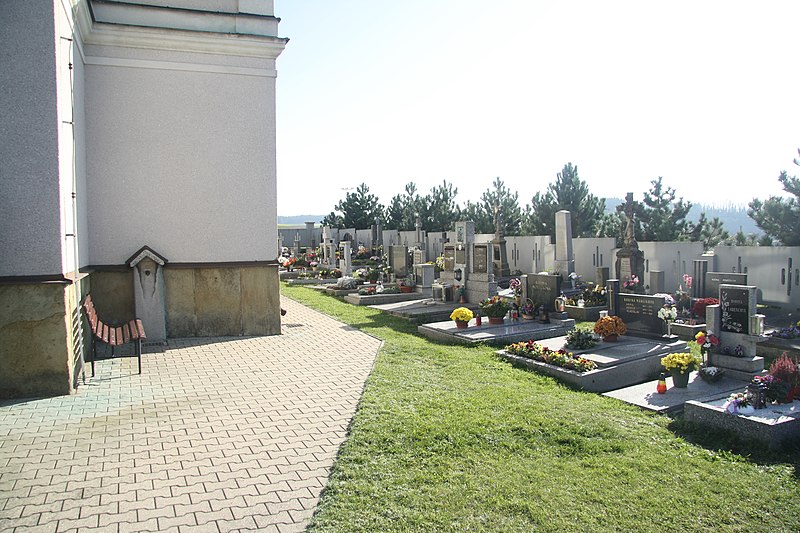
{"x":358,"y":210}
{"x":779,"y":217}
{"x":567,"y":192}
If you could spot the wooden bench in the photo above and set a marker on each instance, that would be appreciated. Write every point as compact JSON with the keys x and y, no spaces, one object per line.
{"x":113,"y":334}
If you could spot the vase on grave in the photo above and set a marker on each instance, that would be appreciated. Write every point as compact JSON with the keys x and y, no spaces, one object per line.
{"x":461,"y":324}
{"x":679,"y":380}
{"x":610,"y":338}
{"x":496,"y":320}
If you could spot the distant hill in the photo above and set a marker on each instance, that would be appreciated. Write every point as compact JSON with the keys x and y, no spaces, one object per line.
{"x":733,"y":217}
{"x":299,"y":219}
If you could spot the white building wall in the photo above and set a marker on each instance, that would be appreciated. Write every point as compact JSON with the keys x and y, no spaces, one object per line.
{"x":182,"y":149}
{"x":673,"y":258}
{"x":591,"y":253}
{"x":775,"y":270}
{"x":30,"y":232}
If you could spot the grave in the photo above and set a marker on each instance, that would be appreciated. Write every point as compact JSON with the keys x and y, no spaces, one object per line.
{"x":508,"y":332}
{"x":377,"y":299}
{"x":466,"y":267}
{"x":346,"y":262}
{"x":639,"y":312}
{"x":398,"y":260}
{"x":772,"y":426}
{"x":630,"y":259}
{"x":657,"y":281}
{"x":713,"y":280}
{"x":500,"y":268}
{"x":422,"y":311}
{"x":543,"y":289}
{"x":564,"y":258}
{"x":739,"y":329}
{"x":628,"y":361}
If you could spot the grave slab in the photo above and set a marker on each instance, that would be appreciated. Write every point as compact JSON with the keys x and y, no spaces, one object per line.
{"x":772,"y":426}
{"x":645,"y":396}
{"x":423,"y":311}
{"x":620,"y":364}
{"x":375,"y":299}
{"x":510,"y":331}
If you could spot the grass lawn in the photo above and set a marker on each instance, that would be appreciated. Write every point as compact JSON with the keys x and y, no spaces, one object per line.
{"x":450,"y":438}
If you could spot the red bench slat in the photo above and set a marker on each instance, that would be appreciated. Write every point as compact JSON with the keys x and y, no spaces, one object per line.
{"x":140,"y":329}
{"x":126,"y":334}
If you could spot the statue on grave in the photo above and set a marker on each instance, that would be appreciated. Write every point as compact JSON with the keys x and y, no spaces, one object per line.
{"x":629,"y":237}
{"x":498,"y":223}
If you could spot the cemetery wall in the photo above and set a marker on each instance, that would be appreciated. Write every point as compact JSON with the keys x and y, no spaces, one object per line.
{"x":775,"y":270}
{"x":592,"y":253}
{"x":673,"y":258}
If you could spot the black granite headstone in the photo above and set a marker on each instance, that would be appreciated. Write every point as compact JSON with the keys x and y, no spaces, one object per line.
{"x":715,"y":279}
{"x":481,"y":255}
{"x":543,"y":289}
{"x":640,"y":314}
{"x":734,"y":304}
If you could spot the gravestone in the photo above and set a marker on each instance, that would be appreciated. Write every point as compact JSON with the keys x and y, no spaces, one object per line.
{"x":713,"y":281}
{"x":480,"y":265}
{"x":564,"y":259}
{"x":736,"y":303}
{"x":346,"y":262}
{"x":630,"y":259}
{"x":657,"y":281}
{"x":739,"y":329}
{"x":602,"y":275}
{"x":425,"y":275}
{"x":418,"y":257}
{"x":500,"y":267}
{"x":543,"y":289}
{"x":640,"y":314}
{"x":398,"y":260}
{"x":449,"y":258}
{"x":699,"y":287}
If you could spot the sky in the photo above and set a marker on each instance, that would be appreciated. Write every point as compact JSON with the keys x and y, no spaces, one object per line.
{"x":701,"y":93}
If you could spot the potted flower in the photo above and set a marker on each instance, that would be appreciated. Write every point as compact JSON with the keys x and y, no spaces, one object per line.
{"x":407,"y":285}
{"x":680,"y":365}
{"x":739,"y":404}
{"x":528,"y":311}
{"x":668,"y":314}
{"x":495,"y":308}
{"x":610,"y":327}
{"x":461,"y":316}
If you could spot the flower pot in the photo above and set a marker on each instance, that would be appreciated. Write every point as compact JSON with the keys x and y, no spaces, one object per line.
{"x":496,"y":320}
{"x":680,"y":381}
{"x":460,"y":324}
{"x":528,"y":317}
{"x":610,"y":338}
{"x":404,"y":288}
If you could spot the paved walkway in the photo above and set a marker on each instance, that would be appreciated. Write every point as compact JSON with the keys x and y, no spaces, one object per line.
{"x":215,"y":435}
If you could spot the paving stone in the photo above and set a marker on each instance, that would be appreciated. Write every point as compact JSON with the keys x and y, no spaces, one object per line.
{"x":214,"y":434}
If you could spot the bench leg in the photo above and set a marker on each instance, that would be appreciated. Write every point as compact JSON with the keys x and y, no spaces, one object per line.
{"x":93,"y":354}
{"x":139,"y":353}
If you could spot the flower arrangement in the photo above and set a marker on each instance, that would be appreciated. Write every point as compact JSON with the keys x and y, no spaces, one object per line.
{"x":711,"y":374}
{"x":738,"y":403}
{"x":683,"y":362}
{"x":346,"y":283}
{"x":528,"y":308}
{"x":516,"y":286}
{"x":792,"y":331}
{"x":494,"y":307}
{"x":560,"y":358}
{"x":668,"y":313}
{"x":438,"y":265}
{"x":367,"y":291}
{"x":775,"y":389}
{"x":699,"y":307}
{"x":461,"y":314}
{"x":704,"y":341}
{"x":737,"y":351}
{"x":592,"y":297}
{"x":785,"y":368}
{"x":610,"y":325}
{"x":580,"y":339}
{"x":631,"y":283}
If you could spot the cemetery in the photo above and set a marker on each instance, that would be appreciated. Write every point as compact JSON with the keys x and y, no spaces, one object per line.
{"x":470,"y":295}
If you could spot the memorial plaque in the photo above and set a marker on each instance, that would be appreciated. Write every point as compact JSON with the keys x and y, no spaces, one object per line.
{"x":449,"y":258}
{"x":625,"y":272}
{"x":461,"y":256}
{"x":715,"y":279}
{"x":481,"y":255}
{"x":640,"y":314}
{"x":398,"y":260}
{"x":734,"y":305}
{"x":543,"y":289}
